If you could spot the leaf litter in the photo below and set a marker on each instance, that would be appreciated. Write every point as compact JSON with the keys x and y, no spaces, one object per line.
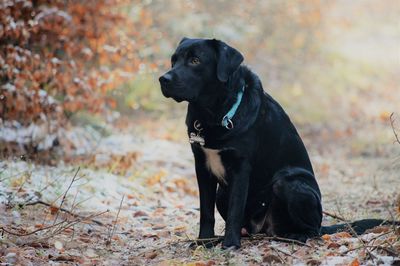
{"x":134,"y":201}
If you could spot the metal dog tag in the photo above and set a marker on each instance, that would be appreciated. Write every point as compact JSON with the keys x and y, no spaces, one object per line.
{"x":196,"y":137}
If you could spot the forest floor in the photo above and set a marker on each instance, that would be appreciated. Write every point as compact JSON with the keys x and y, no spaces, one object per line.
{"x":130,"y":200}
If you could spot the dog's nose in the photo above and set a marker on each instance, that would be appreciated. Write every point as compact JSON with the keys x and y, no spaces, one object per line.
{"x":165,"y":79}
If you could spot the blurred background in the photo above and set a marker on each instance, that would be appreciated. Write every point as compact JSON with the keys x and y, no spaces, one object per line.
{"x":334,"y":66}
{"x":79,"y":97}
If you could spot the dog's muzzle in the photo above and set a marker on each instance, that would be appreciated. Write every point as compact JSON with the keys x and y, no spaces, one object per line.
{"x":165,"y":82}
{"x":167,"y":87}
{"x":165,"y":79}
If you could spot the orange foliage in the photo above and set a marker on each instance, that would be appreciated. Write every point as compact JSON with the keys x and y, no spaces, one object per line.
{"x":64,"y":56}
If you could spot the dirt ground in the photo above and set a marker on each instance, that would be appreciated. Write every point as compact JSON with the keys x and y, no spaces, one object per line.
{"x":133,"y":201}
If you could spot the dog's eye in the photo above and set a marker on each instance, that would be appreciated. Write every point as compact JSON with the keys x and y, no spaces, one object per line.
{"x":194,"y":61}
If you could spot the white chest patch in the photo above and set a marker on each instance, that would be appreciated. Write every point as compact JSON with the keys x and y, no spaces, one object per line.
{"x":214,"y":164}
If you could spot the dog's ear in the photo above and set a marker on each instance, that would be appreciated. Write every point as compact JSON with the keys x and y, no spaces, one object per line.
{"x":228,"y":59}
{"x":183,"y":39}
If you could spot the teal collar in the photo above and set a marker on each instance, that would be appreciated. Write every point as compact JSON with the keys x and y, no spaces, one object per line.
{"x":227,"y":119}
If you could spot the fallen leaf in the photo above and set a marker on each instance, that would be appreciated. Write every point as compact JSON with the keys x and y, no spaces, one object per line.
{"x":343,"y":235}
{"x":313,"y":262}
{"x":163,"y":233}
{"x":53,"y":210}
{"x":333,"y":245}
{"x":151,"y":255}
{"x":180,"y":228}
{"x":379,"y":229}
{"x":271,"y":258}
{"x":140,"y":213}
{"x":326,"y":237}
{"x":355,"y":262}
{"x":159,"y":226}
{"x":85,"y":239}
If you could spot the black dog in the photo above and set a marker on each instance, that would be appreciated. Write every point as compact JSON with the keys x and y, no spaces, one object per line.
{"x":245,"y":144}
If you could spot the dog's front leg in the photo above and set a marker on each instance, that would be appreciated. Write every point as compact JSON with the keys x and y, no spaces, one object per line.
{"x":207,"y":189}
{"x":238,"y":189}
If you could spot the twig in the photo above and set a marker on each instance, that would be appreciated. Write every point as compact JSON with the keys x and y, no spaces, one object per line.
{"x":41,"y":190}
{"x":253,"y":237}
{"x":277,"y":253}
{"x":390,"y":251}
{"x":65,"y":194}
{"x":284,"y":252}
{"x":68,"y":224}
{"x":385,"y":233}
{"x":361,"y":241}
{"x":277,"y":238}
{"x":72,"y":223}
{"x":394,"y":131}
{"x":108,"y":242}
{"x":356,"y":235}
{"x":61,"y":209}
{"x":334,"y":216}
{"x":33,"y":232}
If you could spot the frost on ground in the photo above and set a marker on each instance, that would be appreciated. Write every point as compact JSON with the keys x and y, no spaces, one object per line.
{"x":133,"y":201}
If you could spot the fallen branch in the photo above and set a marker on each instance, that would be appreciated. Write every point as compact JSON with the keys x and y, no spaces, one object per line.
{"x":283,"y":252}
{"x":33,"y":232}
{"x":334,"y":216}
{"x":252,"y":237}
{"x":61,"y":209}
{"x":276,"y":238}
{"x":390,"y":251}
{"x":68,"y":224}
{"x":73,"y":222}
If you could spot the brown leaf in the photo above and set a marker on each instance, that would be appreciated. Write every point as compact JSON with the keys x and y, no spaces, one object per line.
{"x":140,"y":213}
{"x":163,"y":233}
{"x":333,"y":245}
{"x":355,"y":262}
{"x":271,"y":258}
{"x":343,"y":235}
{"x":326,"y":237}
{"x":85,"y":239}
{"x":53,"y":210}
{"x":313,"y":262}
{"x":379,"y":229}
{"x":158,"y":226}
{"x":151,"y":255}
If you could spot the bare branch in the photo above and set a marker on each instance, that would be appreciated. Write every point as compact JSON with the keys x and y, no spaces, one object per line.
{"x":65,"y":194}
{"x":115,"y":222}
{"x":67,"y":225}
{"x":334,"y":216}
{"x":60,"y":209}
{"x":393,"y":128}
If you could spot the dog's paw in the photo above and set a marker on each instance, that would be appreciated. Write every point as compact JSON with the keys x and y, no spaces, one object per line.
{"x":230,"y":244}
{"x":231,"y":248}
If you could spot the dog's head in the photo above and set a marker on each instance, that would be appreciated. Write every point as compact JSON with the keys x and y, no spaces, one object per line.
{"x":197,"y":67}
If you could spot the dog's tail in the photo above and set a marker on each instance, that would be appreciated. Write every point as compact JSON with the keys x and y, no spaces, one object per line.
{"x":358,"y":227}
